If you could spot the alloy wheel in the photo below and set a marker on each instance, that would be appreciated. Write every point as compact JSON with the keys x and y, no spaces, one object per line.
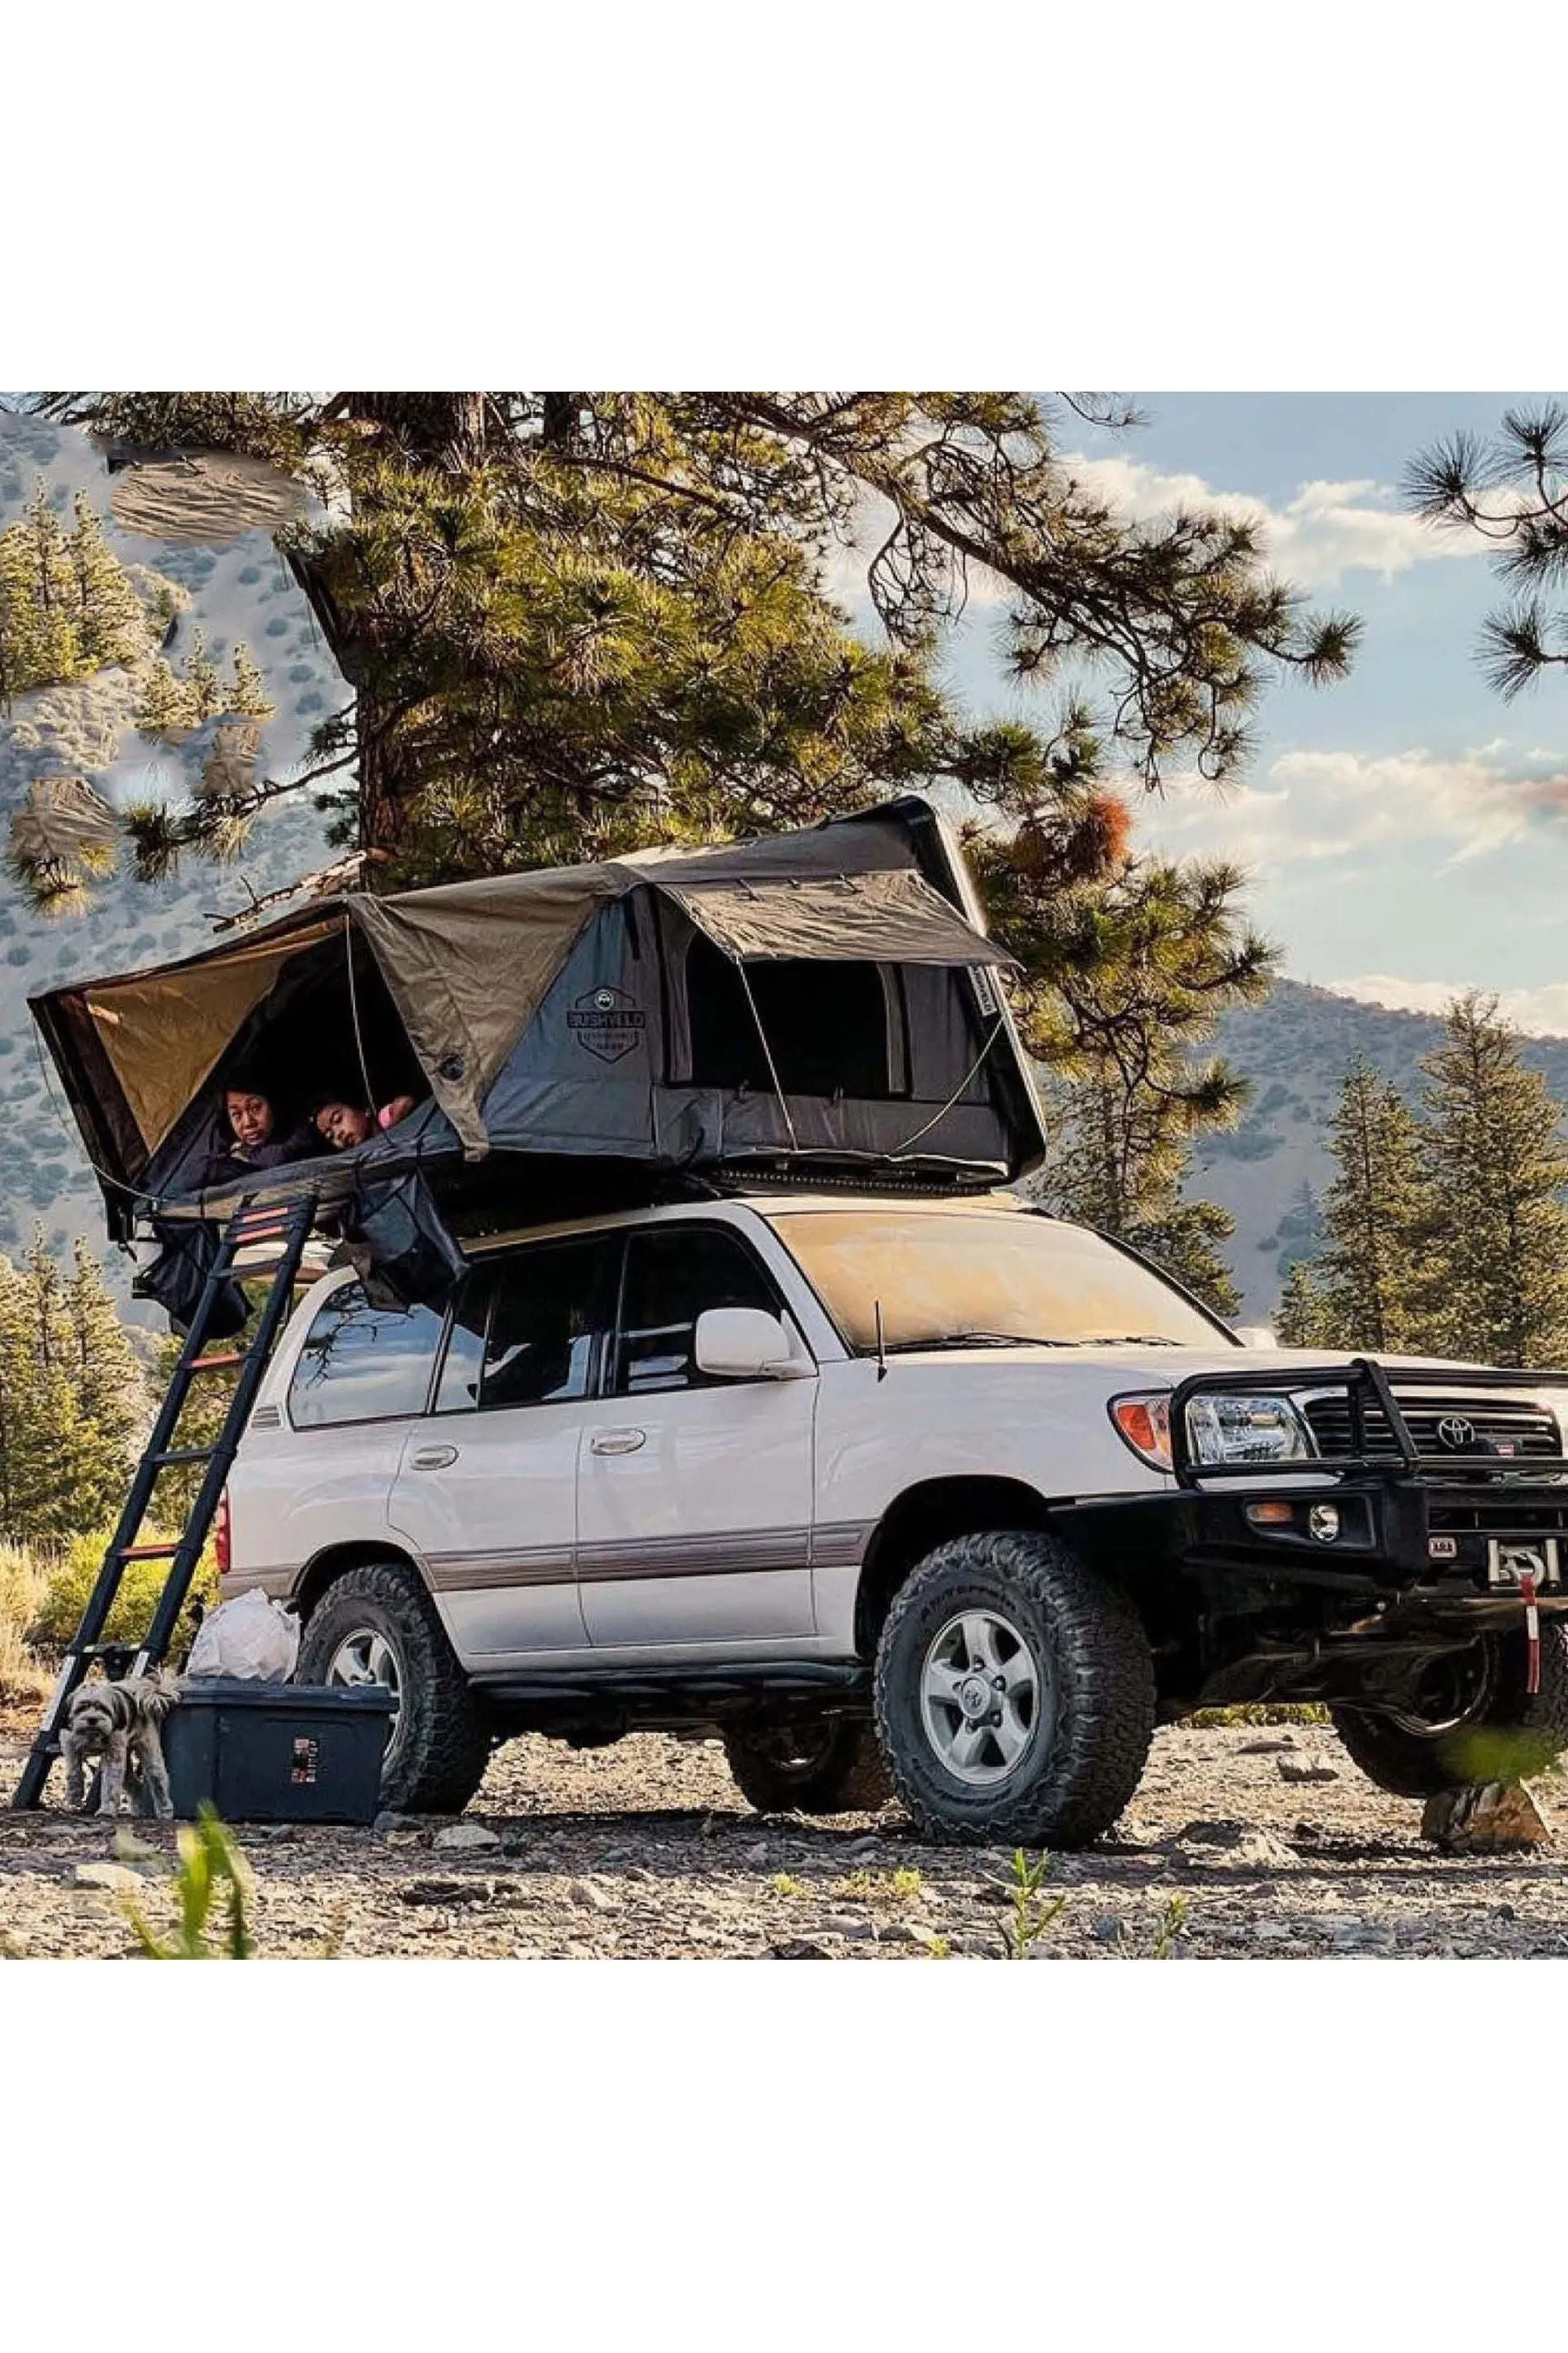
{"x":985,"y":1698}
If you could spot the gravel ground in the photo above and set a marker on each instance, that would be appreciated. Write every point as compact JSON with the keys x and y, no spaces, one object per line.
{"x":1273,"y":1843}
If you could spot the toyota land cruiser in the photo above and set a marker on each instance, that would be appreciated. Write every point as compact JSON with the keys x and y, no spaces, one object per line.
{"x":944,"y":1496}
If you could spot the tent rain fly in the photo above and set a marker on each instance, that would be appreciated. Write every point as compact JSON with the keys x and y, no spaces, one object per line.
{"x":810,"y":1002}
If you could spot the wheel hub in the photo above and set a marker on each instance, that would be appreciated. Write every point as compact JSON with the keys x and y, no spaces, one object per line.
{"x":986,"y":1700}
{"x":366,"y":1656}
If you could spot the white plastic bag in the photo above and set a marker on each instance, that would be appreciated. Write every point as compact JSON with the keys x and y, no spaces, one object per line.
{"x":249,"y":1636}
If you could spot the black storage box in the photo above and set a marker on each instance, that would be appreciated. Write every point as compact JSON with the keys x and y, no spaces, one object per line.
{"x":279,"y":1752}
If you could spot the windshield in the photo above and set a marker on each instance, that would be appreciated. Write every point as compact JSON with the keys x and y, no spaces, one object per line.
{"x":942,"y":1276}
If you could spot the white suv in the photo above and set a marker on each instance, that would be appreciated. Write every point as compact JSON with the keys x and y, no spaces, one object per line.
{"x":946,"y":1490}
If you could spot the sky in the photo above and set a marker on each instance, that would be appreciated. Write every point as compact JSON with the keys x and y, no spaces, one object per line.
{"x":1406,"y":832}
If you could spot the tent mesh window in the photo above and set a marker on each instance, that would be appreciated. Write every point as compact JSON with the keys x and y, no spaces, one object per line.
{"x":827,"y":1025}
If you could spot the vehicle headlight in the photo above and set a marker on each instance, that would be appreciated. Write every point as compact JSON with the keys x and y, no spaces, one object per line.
{"x":1232,"y":1426}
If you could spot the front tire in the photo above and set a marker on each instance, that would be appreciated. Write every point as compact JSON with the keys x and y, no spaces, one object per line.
{"x":828,"y":1765}
{"x":1015,"y":1694}
{"x":377,"y":1624}
{"x":1474,"y":1721}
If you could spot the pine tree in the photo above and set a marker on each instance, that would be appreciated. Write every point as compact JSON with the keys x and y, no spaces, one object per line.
{"x":1125,"y":979}
{"x":109,"y":622}
{"x":1374,"y":1272}
{"x":580,"y":622}
{"x":15,"y":621}
{"x":204,"y":688}
{"x":1303,"y":1319}
{"x":163,"y":707}
{"x":1497,"y":1169}
{"x":72,"y":1398}
{"x":15,"y":1401}
{"x":1510,"y":493}
{"x":110,"y":1386}
{"x":247,"y":697}
{"x":56,"y":646}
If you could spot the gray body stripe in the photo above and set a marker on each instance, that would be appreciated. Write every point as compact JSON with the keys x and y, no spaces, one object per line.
{"x":731,"y":1552}
{"x":840,"y":1544}
{"x":480,"y":1572}
{"x":735,"y":1552}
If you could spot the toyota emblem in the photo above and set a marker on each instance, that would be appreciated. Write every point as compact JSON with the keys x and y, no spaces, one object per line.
{"x":1455,"y":1434}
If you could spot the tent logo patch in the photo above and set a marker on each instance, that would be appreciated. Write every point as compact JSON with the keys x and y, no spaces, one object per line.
{"x":608,"y":1023}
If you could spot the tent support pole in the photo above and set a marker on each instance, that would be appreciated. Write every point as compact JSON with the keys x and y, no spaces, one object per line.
{"x":767,"y":1054}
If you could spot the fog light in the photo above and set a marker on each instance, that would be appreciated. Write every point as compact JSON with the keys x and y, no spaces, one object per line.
{"x":1270,"y":1516}
{"x":1323,"y":1520}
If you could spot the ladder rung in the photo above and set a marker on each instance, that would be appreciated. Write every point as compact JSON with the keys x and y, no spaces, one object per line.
{"x":147,"y":1552}
{"x":185,"y":1454}
{"x":217,"y":1364}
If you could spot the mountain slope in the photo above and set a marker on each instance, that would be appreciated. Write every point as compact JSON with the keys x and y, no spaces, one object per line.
{"x":239,"y":591}
{"x":1295,"y":1048}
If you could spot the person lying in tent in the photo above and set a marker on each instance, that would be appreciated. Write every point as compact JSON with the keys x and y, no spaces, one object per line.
{"x":345,"y":1124}
{"x":248,"y":1136}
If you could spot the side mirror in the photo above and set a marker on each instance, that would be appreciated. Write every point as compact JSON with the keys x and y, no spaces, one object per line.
{"x":1256,"y":1335}
{"x":744,"y":1344}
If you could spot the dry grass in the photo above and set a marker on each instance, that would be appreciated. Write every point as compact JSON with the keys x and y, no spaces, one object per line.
{"x":23,"y":1581}
{"x":44,"y":1590}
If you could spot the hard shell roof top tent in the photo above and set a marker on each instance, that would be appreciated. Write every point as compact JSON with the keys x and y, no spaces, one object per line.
{"x":812,"y":1005}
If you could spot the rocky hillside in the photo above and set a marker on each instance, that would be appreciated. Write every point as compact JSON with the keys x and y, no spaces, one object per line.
{"x":1295,"y":1048}
{"x":235,"y":591}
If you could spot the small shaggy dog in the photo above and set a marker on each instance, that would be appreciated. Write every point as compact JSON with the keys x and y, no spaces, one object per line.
{"x":121,"y":1723}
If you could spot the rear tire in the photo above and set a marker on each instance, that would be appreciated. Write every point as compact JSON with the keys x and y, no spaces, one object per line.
{"x":1015,"y":1694}
{"x":830,"y":1766}
{"x":440,"y":1741}
{"x":1505,"y":1733}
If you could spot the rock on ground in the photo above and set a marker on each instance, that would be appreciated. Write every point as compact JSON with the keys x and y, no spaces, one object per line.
{"x":647,"y":1850}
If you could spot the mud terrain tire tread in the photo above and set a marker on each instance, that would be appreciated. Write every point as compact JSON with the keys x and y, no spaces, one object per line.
{"x":1074,"y":1790}
{"x":1406,"y":1765}
{"x":851,"y":1779}
{"x":444,"y":1743}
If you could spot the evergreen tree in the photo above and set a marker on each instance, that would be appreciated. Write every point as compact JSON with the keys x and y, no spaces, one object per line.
{"x":66,"y":604}
{"x":72,"y":1402}
{"x":111,"y":1388}
{"x":1496,"y":1169}
{"x":15,"y":620}
{"x":247,"y":696}
{"x":110,"y":623}
{"x":163,"y":707}
{"x":1302,"y":1320}
{"x":1125,"y":979}
{"x":1374,"y":1273}
{"x":205,"y":696}
{"x":574,"y":623}
{"x":1510,"y":493}
{"x":57,"y":650}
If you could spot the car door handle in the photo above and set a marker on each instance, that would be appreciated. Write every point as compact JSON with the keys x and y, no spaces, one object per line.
{"x":618,"y":1441}
{"x":434,"y":1458}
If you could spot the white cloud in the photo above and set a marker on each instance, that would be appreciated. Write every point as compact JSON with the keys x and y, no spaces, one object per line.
{"x":1541,"y":1012}
{"x":1327,"y":529}
{"x":1323,"y":806}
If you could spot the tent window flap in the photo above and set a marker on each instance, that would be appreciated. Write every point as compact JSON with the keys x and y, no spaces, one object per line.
{"x":885,"y":918}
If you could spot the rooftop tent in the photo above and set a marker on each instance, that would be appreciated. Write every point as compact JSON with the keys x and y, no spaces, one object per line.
{"x":813,"y":1002}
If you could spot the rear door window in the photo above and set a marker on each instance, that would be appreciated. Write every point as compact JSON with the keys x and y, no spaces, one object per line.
{"x":360,"y":1363}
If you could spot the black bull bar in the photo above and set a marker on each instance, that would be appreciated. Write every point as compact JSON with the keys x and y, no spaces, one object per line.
{"x":1451,"y":1533}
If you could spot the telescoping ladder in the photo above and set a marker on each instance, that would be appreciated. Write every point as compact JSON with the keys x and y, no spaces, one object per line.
{"x":280,"y":1233}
